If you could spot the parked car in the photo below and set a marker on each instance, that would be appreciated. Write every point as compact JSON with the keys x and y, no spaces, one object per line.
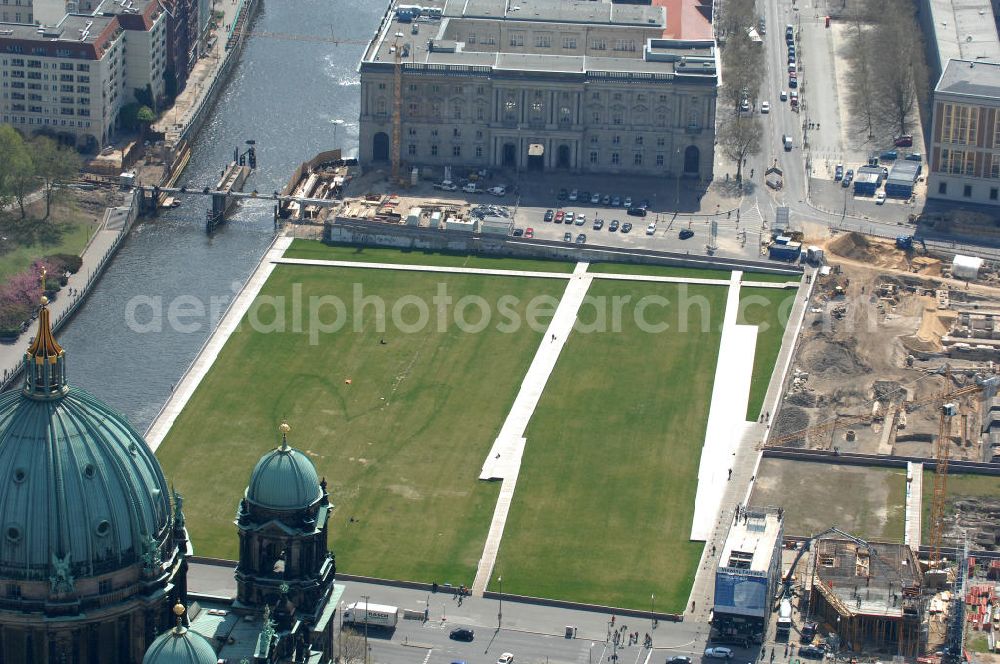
{"x":598,"y":224}
{"x":595,"y":198}
{"x":812,"y":652}
{"x":567,"y":237}
{"x":765,"y":107}
{"x":636,"y":211}
{"x":651,"y":228}
{"x":880,"y":198}
{"x":498,"y":191}
{"x":680,"y":659}
{"x":506,"y":658}
{"x":685,"y":234}
{"x":584,"y":195}
{"x":518,"y":232}
{"x":573,"y":195}
{"x":838,"y":173}
{"x":644,"y":204}
{"x":563,"y":194}
{"x":808,"y":632}
{"x":627,"y":202}
{"x":616,"y":201}
{"x":580,"y":220}
{"x":914,"y":156}
{"x":581,"y":238}
{"x":606,"y":200}
{"x":718,"y":652}
{"x":529,"y":233}
{"x":613,"y":226}
{"x":792,"y":83}
{"x":745,"y":105}
{"x":568,"y":219}
{"x":888,"y":155}
{"x":560,"y":215}
{"x":791,"y":58}
{"x":462,"y":634}
{"x":626,"y":227}
{"x":904,"y":141}
{"x":548,"y":215}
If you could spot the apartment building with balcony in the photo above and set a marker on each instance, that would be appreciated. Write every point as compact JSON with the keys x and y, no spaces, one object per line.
{"x":575,"y":85}
{"x":71,"y":80}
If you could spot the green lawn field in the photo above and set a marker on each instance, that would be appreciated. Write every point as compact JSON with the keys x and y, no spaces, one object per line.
{"x":67,"y":231}
{"x":770,"y":307}
{"x":660,"y":271}
{"x":605,"y":498}
{"x":316,"y":250}
{"x":959,"y":486}
{"x":401,"y":447}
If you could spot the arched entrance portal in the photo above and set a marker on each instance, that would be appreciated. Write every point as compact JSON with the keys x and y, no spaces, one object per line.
{"x":563,"y":157}
{"x":509,"y":155}
{"x":692,"y":159}
{"x":536,"y":157}
{"x":380,"y":146}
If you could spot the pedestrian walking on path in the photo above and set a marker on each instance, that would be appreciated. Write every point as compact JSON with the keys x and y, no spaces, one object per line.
{"x":730,"y":475}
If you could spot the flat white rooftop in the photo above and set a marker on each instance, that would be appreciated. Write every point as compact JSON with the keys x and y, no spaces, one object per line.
{"x":751,"y":541}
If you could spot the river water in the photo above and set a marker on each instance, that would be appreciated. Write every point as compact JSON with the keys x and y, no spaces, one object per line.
{"x":285,"y":94}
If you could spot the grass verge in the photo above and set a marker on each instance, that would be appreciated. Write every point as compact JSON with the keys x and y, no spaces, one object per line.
{"x":401,"y":446}
{"x":767,"y":308}
{"x":605,"y":497}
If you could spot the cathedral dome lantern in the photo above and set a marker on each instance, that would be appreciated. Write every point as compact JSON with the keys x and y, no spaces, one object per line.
{"x":284,"y":479}
{"x":180,"y":645}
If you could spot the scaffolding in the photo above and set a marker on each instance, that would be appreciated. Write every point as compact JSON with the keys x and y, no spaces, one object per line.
{"x":871,"y":596}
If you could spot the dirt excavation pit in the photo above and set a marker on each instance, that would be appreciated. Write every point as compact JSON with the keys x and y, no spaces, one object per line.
{"x":822,"y":357}
{"x":883,"y":254}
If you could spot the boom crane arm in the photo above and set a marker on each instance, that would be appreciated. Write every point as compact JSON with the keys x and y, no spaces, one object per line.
{"x":786,"y":582}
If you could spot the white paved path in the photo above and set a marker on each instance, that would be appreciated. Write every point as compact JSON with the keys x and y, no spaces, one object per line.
{"x":213,"y":346}
{"x":914,"y":504}
{"x":504,"y":459}
{"x":727,"y":414}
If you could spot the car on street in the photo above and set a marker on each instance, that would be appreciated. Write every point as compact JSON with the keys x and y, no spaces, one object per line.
{"x":880,"y":198}
{"x":718,"y":652}
{"x":627,"y":202}
{"x":563,"y":194}
{"x":548,"y":215}
{"x":581,"y":238}
{"x":506,"y":658}
{"x":573,"y":195}
{"x":581,"y":219}
{"x":500,"y":190}
{"x":904,"y":141}
{"x":598,"y":224}
{"x":595,"y":198}
{"x":518,"y":232}
{"x":567,"y":237}
{"x":616,"y":201}
{"x":529,"y":233}
{"x":651,"y":228}
{"x":783,"y":95}
{"x":794,"y":97}
{"x":791,"y":58}
{"x":812,"y":652}
{"x":680,"y":659}
{"x":745,"y":105}
{"x":792,"y":82}
{"x":613,"y":226}
{"x":838,"y":173}
{"x":560,"y":215}
{"x":461,"y":634}
{"x":765,"y":107}
{"x":626,"y":227}
{"x":568,"y":219}
{"x":685,"y":234}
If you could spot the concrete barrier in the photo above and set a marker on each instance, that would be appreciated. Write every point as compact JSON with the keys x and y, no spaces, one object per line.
{"x":955,"y":466}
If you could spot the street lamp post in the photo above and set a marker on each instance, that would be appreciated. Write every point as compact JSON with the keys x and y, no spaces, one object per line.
{"x":500,"y":610}
{"x":365,"y":597}
{"x":337,"y":124}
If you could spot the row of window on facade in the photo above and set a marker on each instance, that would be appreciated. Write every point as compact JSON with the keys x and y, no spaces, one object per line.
{"x":967,"y":191}
{"x":29,"y":108}
{"x":38,"y":64}
{"x":960,"y":125}
{"x":615,"y":158}
{"x":63,"y":87}
{"x":456,"y":132}
{"x":34,"y":96}
{"x":547,"y":39}
{"x":85,"y":124}
{"x":617,"y":118}
{"x":963,"y":162}
{"x":564,"y":95}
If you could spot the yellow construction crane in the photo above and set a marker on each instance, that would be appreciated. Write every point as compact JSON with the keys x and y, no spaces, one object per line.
{"x":942,"y":454}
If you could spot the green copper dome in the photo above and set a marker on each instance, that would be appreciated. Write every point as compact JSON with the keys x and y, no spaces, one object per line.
{"x":81,"y":493}
{"x":284,"y":479}
{"x":180,"y":646}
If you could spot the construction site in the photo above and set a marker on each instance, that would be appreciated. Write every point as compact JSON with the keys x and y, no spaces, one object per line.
{"x":892,"y":391}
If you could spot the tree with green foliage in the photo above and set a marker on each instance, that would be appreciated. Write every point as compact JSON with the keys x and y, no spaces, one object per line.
{"x":54,"y":165}
{"x":17,"y":172}
{"x":145,"y":116}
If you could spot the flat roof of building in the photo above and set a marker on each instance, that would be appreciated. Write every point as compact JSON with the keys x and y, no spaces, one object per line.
{"x":903,"y":171}
{"x":965,"y":30}
{"x":751,"y":541}
{"x":970,"y":78}
{"x":475,"y":33}
{"x":78,"y":28}
{"x":866,"y":583}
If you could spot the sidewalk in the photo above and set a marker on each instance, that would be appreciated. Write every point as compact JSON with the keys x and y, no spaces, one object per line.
{"x":99,"y":250}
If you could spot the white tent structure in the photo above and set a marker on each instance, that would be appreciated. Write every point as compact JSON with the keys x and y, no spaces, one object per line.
{"x":966,"y":267}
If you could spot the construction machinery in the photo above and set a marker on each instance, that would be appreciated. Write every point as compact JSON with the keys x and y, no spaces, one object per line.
{"x":786,"y":582}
